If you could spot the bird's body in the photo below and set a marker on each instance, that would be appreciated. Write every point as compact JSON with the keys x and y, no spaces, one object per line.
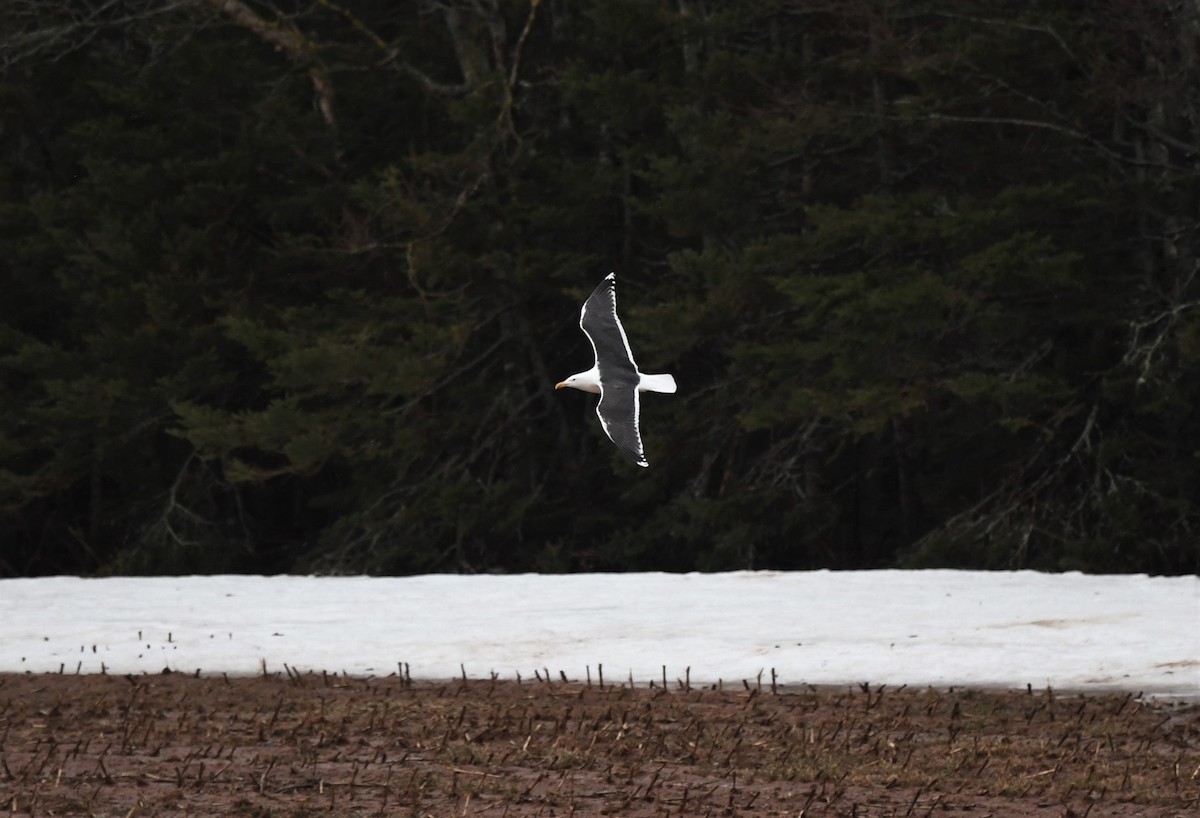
{"x":614,"y":376}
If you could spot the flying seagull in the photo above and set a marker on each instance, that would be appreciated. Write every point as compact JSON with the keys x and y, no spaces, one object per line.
{"x":614,"y":376}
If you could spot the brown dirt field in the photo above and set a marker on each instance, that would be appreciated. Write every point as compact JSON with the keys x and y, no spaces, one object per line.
{"x":317,"y":745}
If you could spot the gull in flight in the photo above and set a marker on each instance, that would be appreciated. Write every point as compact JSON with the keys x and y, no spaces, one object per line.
{"x":614,"y":376}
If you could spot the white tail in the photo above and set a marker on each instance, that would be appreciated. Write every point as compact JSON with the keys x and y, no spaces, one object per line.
{"x":657,"y":383}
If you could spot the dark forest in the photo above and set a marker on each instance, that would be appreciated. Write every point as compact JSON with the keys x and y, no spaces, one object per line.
{"x":287,"y":286}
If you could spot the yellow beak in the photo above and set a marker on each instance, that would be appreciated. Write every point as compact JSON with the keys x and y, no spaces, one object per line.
{"x":560,"y":385}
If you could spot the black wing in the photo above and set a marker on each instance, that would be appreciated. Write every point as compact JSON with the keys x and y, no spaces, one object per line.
{"x":619,"y":405}
{"x":598,"y":319}
{"x":618,"y":411}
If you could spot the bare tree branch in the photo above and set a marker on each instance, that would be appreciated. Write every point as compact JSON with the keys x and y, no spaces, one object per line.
{"x":52,"y":29}
{"x":996,"y":21}
{"x":291,"y":41}
{"x":1142,"y":349}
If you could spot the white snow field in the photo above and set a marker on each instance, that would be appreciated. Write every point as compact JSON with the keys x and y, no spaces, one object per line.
{"x":941,"y":628}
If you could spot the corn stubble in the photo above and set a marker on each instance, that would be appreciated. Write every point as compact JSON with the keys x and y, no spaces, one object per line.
{"x":303,"y":744}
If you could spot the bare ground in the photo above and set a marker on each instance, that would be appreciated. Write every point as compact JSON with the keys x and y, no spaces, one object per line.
{"x":317,"y":745}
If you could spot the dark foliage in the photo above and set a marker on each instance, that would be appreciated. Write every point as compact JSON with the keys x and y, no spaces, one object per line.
{"x":287,"y":288}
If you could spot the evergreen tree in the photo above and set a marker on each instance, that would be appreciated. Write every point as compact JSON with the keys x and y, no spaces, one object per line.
{"x":288,"y":287}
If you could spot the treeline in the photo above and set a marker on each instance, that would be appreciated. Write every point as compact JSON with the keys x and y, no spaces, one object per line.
{"x":287,"y":286}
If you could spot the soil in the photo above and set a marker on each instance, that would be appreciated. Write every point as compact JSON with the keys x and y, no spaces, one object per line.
{"x":321,"y":745}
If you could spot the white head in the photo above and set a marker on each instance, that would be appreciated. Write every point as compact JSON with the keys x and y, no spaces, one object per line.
{"x":583,"y":381}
